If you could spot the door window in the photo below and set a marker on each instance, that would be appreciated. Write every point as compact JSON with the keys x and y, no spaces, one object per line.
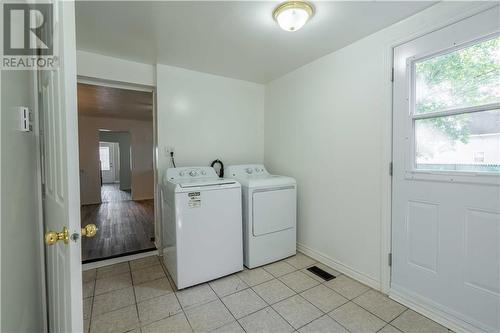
{"x":456,"y":109}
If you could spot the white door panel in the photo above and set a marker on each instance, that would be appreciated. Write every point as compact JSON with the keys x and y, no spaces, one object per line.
{"x":61,"y":202}
{"x":446,"y":224}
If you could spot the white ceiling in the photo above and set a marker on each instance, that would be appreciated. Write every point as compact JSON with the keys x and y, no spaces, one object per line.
{"x":230,"y":38}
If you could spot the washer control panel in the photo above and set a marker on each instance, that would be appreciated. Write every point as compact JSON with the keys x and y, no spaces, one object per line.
{"x":246,"y":170}
{"x":191,"y":173}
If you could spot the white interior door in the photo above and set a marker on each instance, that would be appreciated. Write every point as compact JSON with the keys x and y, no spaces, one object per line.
{"x":109,"y":156}
{"x":61,"y":201}
{"x":446,"y":186}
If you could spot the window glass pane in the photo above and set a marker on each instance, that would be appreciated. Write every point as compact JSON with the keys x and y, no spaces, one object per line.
{"x":463,"y":78}
{"x":104,"y":157}
{"x":466,"y":142}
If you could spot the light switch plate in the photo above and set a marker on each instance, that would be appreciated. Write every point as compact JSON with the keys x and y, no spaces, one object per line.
{"x":25,"y":119}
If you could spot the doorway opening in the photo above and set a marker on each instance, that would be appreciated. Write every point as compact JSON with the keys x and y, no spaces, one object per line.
{"x":116,"y":170}
{"x":115,"y":166}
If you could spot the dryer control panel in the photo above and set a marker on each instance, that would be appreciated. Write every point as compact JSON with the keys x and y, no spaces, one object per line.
{"x":191,"y":173}
{"x":246,"y":170}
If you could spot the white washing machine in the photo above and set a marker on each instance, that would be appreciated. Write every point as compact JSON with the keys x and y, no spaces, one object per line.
{"x":202,"y":231}
{"x":269,"y":214}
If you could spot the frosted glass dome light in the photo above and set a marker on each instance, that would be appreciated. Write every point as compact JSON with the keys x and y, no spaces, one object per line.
{"x":292,"y":15}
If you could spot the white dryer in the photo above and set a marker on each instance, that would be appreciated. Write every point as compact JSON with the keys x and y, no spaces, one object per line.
{"x":269,"y":214}
{"x":201,"y":222}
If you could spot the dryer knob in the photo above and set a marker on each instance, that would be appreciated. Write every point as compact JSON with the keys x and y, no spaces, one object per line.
{"x":181,"y":173}
{"x":249,"y":170}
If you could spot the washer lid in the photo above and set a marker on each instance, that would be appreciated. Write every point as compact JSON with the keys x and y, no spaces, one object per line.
{"x":205,"y":182}
{"x":256,"y":175}
{"x":265,"y":181}
{"x":190,"y":178}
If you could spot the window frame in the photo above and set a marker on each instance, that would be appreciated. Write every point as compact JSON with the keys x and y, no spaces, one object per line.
{"x":412,"y":172}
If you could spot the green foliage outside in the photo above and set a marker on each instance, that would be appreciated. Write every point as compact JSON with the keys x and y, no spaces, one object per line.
{"x":467,"y":77}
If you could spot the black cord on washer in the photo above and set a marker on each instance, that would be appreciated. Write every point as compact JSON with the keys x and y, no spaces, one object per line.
{"x":221,"y":171}
{"x":172,"y":159}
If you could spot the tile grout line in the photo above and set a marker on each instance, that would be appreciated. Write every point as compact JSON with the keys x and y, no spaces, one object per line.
{"x":407,"y":309}
{"x":387,"y":322}
{"x":295,"y":294}
{"x":224,"y":304}
{"x":299,"y":294}
{"x":279,"y":314}
{"x":92,"y":305}
{"x":135,"y":297}
{"x":133,"y":290}
{"x":329,"y":317}
{"x":175,"y":294}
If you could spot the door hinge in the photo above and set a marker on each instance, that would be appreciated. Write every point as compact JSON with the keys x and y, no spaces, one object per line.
{"x":389,"y":259}
{"x":390,"y":169}
{"x":392,"y":74}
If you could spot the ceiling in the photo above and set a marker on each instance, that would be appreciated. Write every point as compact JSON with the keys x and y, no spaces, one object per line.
{"x":237,"y":39}
{"x":100,"y":101}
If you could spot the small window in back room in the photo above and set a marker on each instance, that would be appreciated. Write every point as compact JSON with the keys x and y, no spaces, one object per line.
{"x":456,"y":109}
{"x":104,"y":157}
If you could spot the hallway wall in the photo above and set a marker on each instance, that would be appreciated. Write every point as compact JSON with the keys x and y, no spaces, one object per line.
{"x":141,"y":141}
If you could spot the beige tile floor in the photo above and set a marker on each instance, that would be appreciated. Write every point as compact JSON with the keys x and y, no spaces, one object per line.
{"x":139,"y":296}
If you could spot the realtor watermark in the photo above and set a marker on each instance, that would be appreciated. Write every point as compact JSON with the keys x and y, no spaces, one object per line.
{"x":28,"y":37}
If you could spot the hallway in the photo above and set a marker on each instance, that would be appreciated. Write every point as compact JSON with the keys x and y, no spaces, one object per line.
{"x":112,"y":193}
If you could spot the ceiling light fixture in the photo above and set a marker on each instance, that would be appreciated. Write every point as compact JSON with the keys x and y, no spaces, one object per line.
{"x":292,"y":15}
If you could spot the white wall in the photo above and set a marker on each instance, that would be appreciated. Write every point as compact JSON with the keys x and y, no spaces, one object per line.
{"x":102,"y":67}
{"x":328,"y":124}
{"x":141,"y":141}
{"x":205,"y":117}
{"x":21,"y":280}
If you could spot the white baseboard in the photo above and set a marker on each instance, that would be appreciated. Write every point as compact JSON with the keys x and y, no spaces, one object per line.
{"x":433,"y":311}
{"x":107,"y":262}
{"x":338,"y":266}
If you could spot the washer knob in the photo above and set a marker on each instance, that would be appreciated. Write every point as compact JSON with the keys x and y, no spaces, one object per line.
{"x":249,"y":170}
{"x":203,"y":173}
{"x":193,"y":173}
{"x":181,"y":173}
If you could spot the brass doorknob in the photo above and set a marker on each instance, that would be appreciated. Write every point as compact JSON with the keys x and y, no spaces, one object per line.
{"x":89,"y":230}
{"x":51,"y":237}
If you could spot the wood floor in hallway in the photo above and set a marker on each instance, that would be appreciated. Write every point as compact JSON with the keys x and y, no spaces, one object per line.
{"x":124,"y":227}
{"x":112,"y":193}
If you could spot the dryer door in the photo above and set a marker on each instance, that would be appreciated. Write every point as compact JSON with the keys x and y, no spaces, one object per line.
{"x":274,"y":210}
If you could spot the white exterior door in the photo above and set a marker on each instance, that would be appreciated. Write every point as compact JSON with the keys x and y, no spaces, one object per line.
{"x":109,"y":155}
{"x":61,"y":202}
{"x":446,"y":186}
